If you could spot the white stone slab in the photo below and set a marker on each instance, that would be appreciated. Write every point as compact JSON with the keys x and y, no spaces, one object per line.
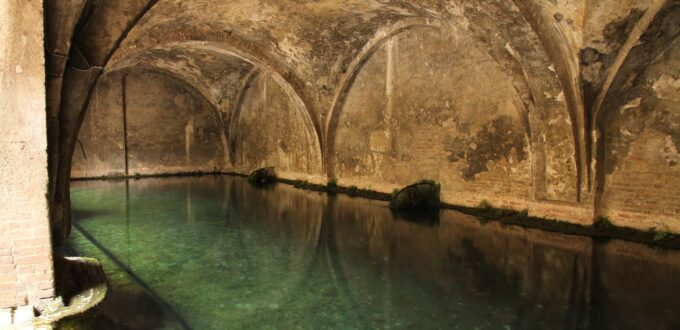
{"x":24,"y":314}
{"x":5,"y":317}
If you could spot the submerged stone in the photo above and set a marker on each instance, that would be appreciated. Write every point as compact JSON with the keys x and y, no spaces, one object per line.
{"x":420,"y":195}
{"x":262,"y":176}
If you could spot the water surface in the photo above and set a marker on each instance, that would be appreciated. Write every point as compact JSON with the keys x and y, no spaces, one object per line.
{"x":218,"y":253}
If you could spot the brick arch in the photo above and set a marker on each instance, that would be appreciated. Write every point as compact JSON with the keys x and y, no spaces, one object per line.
{"x":507,"y":60}
{"x":236,"y":112}
{"x":281,"y":76}
{"x":200,"y":90}
{"x":73,"y":92}
{"x":420,"y":155}
{"x":515,"y":36}
{"x":75,"y":112}
{"x":633,"y":39}
{"x":301,"y":123}
{"x":627,"y":104}
{"x":353,"y":70}
{"x":610,"y":87}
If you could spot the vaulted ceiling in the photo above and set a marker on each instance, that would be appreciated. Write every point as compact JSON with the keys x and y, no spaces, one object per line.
{"x":562,"y":56}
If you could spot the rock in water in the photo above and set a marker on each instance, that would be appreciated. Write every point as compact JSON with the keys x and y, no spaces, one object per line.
{"x":263,"y":176}
{"x":420,"y":195}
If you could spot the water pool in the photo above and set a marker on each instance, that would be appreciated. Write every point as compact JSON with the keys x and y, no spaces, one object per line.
{"x":218,"y":253}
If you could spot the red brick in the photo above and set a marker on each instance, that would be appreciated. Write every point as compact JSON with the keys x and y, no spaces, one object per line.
{"x":7,"y":287}
{"x":43,"y":250}
{"x":42,"y":268}
{"x":37,"y":241}
{"x":25,"y":269}
{"x":7,"y":278}
{"x":24,"y":251}
{"x":6,"y":260}
{"x":18,"y":233}
{"x":47,"y":293}
{"x":46,"y":285}
{"x":36,"y":278}
{"x":31,"y":260}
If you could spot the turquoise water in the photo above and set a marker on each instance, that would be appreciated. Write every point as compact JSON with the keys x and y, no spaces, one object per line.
{"x":218,"y":253}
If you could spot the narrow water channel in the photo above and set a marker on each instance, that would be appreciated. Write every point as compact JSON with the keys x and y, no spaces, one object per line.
{"x":218,"y":253}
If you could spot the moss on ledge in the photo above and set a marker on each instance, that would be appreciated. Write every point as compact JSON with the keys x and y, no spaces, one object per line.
{"x":422,"y":195}
{"x":146,"y":176}
{"x":263,"y":176}
{"x":333,"y":188}
{"x":601,"y":230}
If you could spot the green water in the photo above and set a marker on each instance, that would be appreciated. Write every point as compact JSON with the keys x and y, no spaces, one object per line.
{"x":218,"y":253}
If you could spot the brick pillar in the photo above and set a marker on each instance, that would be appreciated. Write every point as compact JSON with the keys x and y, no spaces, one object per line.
{"x":26,"y":267}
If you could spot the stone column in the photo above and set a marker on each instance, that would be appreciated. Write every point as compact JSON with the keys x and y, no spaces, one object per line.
{"x":26,"y":266}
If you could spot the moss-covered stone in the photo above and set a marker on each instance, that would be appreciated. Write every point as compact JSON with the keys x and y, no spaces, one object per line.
{"x":263,"y":176}
{"x":352,"y":191}
{"x":420,"y":195}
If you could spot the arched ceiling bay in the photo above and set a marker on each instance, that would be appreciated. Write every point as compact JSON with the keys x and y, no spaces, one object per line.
{"x":313,"y":38}
{"x":217,"y":75}
{"x":312,"y":44}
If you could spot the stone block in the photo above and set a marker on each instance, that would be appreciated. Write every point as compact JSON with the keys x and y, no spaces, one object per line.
{"x":24,"y":314}
{"x":5,"y":317}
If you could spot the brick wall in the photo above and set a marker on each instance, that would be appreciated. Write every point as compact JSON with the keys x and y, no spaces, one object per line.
{"x":26,"y":272}
{"x":185,"y":136}
{"x":643,"y":200}
{"x":402,"y":121}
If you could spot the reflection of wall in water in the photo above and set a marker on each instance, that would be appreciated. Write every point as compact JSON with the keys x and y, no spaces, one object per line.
{"x":559,"y":274}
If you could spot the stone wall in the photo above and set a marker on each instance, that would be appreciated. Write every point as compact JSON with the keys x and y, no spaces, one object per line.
{"x":273,"y":130}
{"x":26,"y":271}
{"x":565,"y":109}
{"x":101,"y":147}
{"x":162,"y":126}
{"x":403,"y":120}
{"x":641,"y":127}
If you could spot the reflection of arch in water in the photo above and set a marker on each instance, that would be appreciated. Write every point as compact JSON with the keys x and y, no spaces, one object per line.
{"x":469,"y":259}
{"x":327,"y":258}
{"x":292,"y":214}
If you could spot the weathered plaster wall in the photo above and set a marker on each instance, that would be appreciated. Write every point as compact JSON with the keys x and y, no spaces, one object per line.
{"x":101,"y":147}
{"x":170,"y":129}
{"x":641,"y":127}
{"x":430,"y":105}
{"x":160,"y":124}
{"x":273,"y":130}
{"x":26,"y":272}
